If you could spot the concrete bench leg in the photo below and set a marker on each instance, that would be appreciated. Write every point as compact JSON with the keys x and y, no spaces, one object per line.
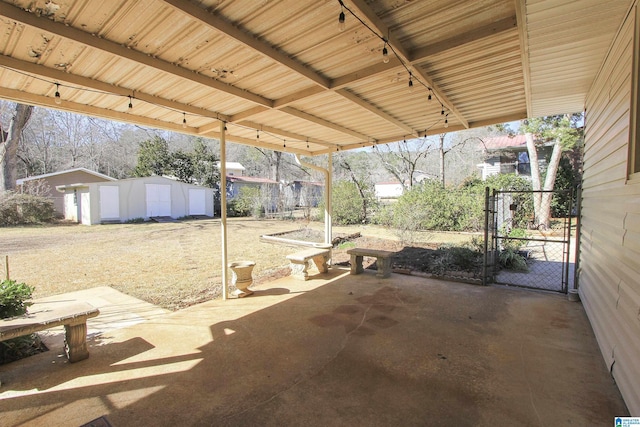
{"x":299,"y":270}
{"x":321,"y":263}
{"x":384,"y":267}
{"x":75,"y":342}
{"x":356,"y":264}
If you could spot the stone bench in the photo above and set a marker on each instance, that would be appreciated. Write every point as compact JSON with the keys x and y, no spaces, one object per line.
{"x":383,"y":260}
{"x":41,"y":316}
{"x":300,"y":262}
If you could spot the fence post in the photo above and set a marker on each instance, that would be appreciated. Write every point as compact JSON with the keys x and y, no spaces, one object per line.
{"x":485,"y":262}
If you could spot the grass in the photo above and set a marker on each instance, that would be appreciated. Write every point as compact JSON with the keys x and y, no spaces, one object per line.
{"x":172,"y":265}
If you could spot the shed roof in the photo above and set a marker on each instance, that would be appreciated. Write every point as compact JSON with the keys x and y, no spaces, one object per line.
{"x":65,"y":172}
{"x":281,"y":75}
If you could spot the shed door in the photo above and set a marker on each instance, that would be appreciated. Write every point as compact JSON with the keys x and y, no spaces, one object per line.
{"x":197,"y":201}
{"x":158,"y":200}
{"x":109,"y":202}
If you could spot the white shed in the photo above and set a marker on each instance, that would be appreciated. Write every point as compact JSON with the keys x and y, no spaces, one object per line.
{"x":128,"y":199}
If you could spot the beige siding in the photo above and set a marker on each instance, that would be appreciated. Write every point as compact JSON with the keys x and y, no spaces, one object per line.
{"x":610,"y":239}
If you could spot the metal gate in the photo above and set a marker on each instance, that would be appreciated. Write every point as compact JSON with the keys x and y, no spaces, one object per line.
{"x":522,"y":251}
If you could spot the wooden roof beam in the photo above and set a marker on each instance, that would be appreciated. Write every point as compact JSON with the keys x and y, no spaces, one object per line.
{"x":18,"y":15}
{"x":248,"y":40}
{"x":322,"y":122}
{"x":88,"y":110}
{"x":405,"y":56}
{"x":506,"y":24}
{"x":292,"y":135}
{"x":375,"y":110}
{"x":61,"y":76}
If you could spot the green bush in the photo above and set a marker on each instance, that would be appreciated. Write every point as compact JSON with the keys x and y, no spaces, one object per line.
{"x":512,"y":260}
{"x":348,"y":205}
{"x":16,"y":209}
{"x":13,"y":298}
{"x":13,"y":302}
{"x":248,"y":202}
{"x":429,"y":206}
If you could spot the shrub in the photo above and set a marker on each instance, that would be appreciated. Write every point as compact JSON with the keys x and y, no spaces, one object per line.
{"x":16,"y":208}
{"x":428,"y":206}
{"x":13,"y":302}
{"x":512,"y":260}
{"x":13,"y":298}
{"x":349,"y":207}
{"x":248,"y":202}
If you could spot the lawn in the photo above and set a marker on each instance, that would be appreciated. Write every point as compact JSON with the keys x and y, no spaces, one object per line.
{"x":172,"y":265}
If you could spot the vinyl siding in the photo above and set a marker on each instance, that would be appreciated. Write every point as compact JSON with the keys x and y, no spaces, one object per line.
{"x":610,"y":238}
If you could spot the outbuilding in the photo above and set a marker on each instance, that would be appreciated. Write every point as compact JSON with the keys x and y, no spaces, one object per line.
{"x":135,"y":198}
{"x":47,"y":183}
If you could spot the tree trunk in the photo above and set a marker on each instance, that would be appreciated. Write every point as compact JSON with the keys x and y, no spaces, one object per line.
{"x":9,"y":147}
{"x":535,"y":176}
{"x":544,"y":219}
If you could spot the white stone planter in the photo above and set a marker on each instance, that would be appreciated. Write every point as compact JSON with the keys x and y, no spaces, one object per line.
{"x":241,"y":277}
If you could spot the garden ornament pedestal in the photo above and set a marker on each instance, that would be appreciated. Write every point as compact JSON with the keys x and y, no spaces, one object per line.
{"x":241,"y":277}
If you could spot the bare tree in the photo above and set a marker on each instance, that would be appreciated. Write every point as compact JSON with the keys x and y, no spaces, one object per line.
{"x":9,"y":141}
{"x":360,"y":183}
{"x":401,"y":159}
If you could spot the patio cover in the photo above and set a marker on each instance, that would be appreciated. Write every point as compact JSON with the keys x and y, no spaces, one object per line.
{"x":282,"y":75}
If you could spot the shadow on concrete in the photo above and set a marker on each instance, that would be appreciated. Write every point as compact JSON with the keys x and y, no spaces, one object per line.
{"x":349,"y":350}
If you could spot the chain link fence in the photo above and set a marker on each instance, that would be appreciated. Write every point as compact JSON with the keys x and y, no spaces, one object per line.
{"x":528,"y":239}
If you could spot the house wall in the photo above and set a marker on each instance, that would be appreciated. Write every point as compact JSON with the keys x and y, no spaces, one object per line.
{"x":388,"y":190}
{"x":610,"y":235}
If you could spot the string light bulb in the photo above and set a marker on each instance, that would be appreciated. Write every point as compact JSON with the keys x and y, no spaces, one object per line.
{"x":130,"y":103}
{"x":184,"y":120}
{"x":257,"y":135}
{"x":410,"y":82}
{"x":342,"y":17}
{"x":442,"y":111}
{"x":429,"y":97}
{"x":446,"y":122}
{"x":57,"y":98}
{"x":385,"y":54}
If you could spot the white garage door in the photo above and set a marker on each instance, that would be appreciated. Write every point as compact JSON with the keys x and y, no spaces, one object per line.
{"x":197,"y":201}
{"x":109,"y":202}
{"x":158,"y":200}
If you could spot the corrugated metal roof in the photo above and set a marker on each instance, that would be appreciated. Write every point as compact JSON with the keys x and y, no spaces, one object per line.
{"x":282,"y":76}
{"x":502,"y":142}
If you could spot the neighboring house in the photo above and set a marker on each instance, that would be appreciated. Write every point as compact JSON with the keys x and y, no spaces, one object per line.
{"x":508,"y":154}
{"x":304,"y":193}
{"x":388,"y":191}
{"x":236,"y":183}
{"x":233,"y":168}
{"x":127,"y":199}
{"x":52,"y":180}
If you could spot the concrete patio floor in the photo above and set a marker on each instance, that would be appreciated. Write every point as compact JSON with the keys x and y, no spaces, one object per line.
{"x":342,"y":350}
